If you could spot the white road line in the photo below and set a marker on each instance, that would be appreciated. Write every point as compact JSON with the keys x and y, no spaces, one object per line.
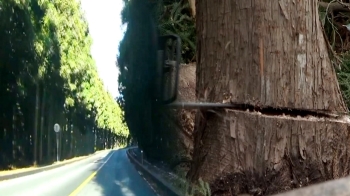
{"x":46,"y":187}
{"x":49,"y":172}
{"x":149,"y":184}
{"x":105,"y":161}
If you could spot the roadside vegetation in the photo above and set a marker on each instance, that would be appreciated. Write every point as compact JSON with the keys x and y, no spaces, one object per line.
{"x":164,"y":135}
{"x":154,"y":128}
{"x":47,"y":76}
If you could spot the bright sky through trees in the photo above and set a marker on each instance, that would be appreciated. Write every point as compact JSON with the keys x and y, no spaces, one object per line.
{"x":106,"y":31}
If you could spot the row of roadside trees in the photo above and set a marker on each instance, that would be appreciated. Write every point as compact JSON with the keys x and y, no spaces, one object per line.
{"x":47,"y":76}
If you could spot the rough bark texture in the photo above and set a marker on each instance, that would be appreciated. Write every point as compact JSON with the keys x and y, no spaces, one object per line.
{"x":297,"y":151}
{"x":267,"y":55}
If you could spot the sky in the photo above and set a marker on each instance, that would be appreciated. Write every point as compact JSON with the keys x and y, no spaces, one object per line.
{"x":106,"y":30}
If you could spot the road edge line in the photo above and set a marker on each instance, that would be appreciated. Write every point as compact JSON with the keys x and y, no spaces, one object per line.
{"x":44,"y":168}
{"x":156,"y":178}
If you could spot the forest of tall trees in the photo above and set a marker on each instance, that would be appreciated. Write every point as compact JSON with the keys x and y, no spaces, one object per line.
{"x":150,"y":124}
{"x":48,"y":76}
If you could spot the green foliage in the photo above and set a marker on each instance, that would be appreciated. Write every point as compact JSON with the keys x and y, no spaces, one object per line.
{"x":187,"y":188}
{"x":338,"y":46}
{"x":201,"y":188}
{"x":172,"y":17}
{"x":137,"y":71}
{"x":47,"y":75}
{"x":175,"y":18}
{"x":344,"y":78}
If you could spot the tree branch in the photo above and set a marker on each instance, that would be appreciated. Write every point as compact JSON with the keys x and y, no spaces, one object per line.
{"x":335,"y":6}
{"x":193,"y":7}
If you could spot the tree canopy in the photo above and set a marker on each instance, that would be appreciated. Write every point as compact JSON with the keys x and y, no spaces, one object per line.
{"x":47,"y":76}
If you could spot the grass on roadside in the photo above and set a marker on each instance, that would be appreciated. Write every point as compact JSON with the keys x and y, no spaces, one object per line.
{"x":187,"y":188}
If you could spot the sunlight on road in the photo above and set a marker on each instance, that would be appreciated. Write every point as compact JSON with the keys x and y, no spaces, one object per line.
{"x":105,"y":174}
{"x":124,"y":189}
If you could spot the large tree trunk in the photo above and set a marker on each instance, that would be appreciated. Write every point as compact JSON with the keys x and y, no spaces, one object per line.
{"x":266,"y":55}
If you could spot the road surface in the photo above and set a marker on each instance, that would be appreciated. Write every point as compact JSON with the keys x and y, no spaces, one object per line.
{"x":108,"y":173}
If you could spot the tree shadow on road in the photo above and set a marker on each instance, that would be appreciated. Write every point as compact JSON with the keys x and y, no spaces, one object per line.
{"x":118,"y":176}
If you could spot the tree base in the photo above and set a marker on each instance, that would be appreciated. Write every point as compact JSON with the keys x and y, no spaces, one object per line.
{"x":237,"y":149}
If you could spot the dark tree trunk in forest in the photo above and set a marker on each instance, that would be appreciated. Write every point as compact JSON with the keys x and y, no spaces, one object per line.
{"x":14,"y":131}
{"x":266,"y":55}
{"x":49,"y":132}
{"x":42,"y":117}
{"x":36,"y":123}
{"x":60,"y":136}
{"x":71,"y":140}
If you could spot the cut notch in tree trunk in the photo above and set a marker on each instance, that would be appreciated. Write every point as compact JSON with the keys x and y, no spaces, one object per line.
{"x":301,"y":150}
{"x":271,"y":56}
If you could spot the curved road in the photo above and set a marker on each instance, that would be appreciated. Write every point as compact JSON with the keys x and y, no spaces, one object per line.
{"x":107,"y":173}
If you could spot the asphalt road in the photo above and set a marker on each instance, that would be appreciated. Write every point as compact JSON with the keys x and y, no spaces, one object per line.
{"x":107,"y":173}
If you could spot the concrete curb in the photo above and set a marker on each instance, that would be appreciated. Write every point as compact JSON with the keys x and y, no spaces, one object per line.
{"x":41,"y":169}
{"x":166,"y":187}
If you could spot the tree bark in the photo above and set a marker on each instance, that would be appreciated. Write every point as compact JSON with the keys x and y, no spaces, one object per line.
{"x":266,"y":55}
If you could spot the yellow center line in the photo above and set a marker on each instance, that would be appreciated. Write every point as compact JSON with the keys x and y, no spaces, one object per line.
{"x":82,"y":185}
